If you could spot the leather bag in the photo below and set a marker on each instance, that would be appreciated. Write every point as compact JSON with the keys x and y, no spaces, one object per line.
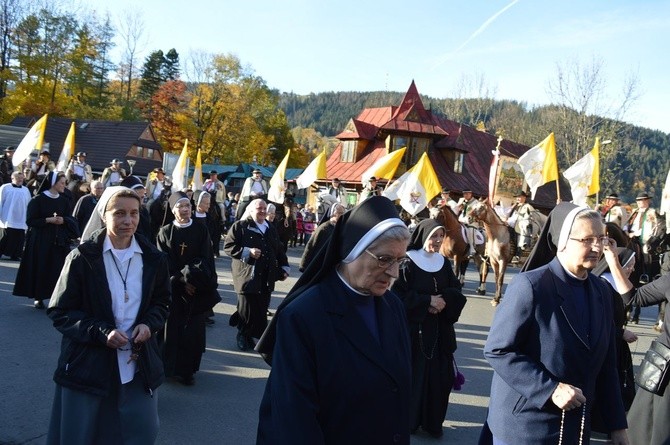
{"x":653,"y":372}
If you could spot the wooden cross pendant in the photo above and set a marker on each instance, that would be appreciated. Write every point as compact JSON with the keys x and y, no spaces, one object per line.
{"x":125,"y":297}
{"x":183,"y":246}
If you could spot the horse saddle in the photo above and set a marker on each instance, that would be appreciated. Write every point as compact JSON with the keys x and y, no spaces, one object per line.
{"x":479,"y":237}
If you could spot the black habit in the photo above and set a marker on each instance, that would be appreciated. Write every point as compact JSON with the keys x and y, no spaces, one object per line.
{"x":189,"y":249}
{"x":47,"y":245}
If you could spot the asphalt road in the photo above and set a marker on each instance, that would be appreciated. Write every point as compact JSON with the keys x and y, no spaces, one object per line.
{"x":222,"y":407}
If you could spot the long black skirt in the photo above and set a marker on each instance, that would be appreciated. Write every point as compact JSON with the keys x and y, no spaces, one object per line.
{"x":11,"y":242}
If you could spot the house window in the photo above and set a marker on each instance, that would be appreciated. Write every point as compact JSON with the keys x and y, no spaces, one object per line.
{"x":349,"y":151}
{"x":415,"y":148}
{"x":459,"y":160}
{"x":150,"y":153}
{"x":140,"y":152}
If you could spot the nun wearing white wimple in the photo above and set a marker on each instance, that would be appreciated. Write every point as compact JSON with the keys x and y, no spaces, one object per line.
{"x":552,"y":343}
{"x":110,"y":301}
{"x":339,"y":342}
{"x":431,"y":294}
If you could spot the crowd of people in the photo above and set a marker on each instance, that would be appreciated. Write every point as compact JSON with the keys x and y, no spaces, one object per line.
{"x":362,"y":347}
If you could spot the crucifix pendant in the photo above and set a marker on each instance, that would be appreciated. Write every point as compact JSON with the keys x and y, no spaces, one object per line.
{"x":183,"y":246}
{"x":125,"y":297}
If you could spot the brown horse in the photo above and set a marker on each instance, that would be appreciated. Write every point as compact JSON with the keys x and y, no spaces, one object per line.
{"x":498,"y":249}
{"x":454,"y":245}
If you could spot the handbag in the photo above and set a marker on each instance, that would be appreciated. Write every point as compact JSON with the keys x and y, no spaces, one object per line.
{"x":459,"y":379}
{"x":653,"y":373}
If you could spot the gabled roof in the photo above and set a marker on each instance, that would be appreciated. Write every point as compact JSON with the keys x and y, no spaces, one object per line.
{"x":101,"y":140}
{"x":357,"y":129}
{"x":411,"y":118}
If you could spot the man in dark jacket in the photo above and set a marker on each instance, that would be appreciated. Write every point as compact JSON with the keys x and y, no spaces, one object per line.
{"x":258,"y":261}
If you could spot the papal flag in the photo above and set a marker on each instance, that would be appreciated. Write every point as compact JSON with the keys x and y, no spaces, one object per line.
{"x":315,"y":170}
{"x":385,"y":166}
{"x":583,"y":176}
{"x":33,"y":140}
{"x":665,"y":201}
{"x":179,"y":172}
{"x":196,"y":182}
{"x":277,"y":184}
{"x":539,"y":164}
{"x":416,"y":187}
{"x":68,"y":150}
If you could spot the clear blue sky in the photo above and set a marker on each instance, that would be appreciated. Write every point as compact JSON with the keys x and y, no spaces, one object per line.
{"x":309,"y":46}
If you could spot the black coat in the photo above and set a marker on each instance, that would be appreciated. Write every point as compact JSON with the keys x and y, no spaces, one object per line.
{"x":331,"y":381}
{"x":81,"y":309}
{"x":251,"y":276}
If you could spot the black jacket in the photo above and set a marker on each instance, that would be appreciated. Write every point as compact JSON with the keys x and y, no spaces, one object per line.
{"x":81,"y":309}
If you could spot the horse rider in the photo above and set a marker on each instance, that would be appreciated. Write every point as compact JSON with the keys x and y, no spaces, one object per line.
{"x":521,"y":216}
{"x":614,"y":212}
{"x":255,"y":187}
{"x":446,"y":199}
{"x":78,"y":170}
{"x":337,"y":191}
{"x":370,"y":189}
{"x":41,"y":168}
{"x":155,"y":185}
{"x":463,"y":206}
{"x":644,"y":225}
{"x":217,"y":189}
{"x":114,"y":174}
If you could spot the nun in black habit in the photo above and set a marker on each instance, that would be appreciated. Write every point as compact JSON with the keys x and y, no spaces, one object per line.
{"x":194,"y":282}
{"x":430,"y":292}
{"x":338,"y":343}
{"x":50,"y":231}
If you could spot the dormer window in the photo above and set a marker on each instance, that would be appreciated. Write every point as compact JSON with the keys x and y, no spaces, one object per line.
{"x":349,"y":151}
{"x":415,"y":148}
{"x":456,"y":159}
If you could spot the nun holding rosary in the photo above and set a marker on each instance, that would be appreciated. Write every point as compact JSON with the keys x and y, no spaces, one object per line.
{"x":338,"y":343}
{"x":552,"y":343}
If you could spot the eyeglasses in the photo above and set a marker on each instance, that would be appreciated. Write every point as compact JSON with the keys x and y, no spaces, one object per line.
{"x":386,"y":261}
{"x":593,"y":240}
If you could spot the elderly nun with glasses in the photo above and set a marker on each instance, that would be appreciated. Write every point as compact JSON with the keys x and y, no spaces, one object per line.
{"x":552,"y":343}
{"x":338,"y":344}
{"x":433,"y":302}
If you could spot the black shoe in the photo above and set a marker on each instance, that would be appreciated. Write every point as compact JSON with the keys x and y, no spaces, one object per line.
{"x":188,"y":380}
{"x":242,"y":342}
{"x":209,"y":321}
{"x":38,"y":304}
{"x":635,"y":320}
{"x":251,"y":343}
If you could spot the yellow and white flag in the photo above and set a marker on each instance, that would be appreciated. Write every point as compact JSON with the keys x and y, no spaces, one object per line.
{"x":583,"y":176}
{"x":315,"y":170}
{"x":277,"y":185}
{"x":196,"y":182}
{"x":179,"y":172}
{"x":33,"y":140}
{"x":539,"y":164}
{"x":416,"y":187}
{"x":385,"y":166}
{"x":68,"y":150}
{"x":664,"y":208}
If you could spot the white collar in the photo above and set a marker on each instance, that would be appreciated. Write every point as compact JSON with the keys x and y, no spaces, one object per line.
{"x":183,"y":226}
{"x":121,"y":254}
{"x":430,"y":262}
{"x":51,"y":195}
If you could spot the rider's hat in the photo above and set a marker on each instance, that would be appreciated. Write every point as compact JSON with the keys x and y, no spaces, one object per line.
{"x":642,"y":195}
{"x":521,"y":193}
{"x":612,"y":196}
{"x":81,"y":153}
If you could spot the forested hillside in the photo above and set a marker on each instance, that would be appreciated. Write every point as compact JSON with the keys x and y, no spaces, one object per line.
{"x":637,"y":158}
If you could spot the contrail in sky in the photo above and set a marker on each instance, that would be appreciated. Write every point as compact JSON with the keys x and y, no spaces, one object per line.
{"x":477,"y":32}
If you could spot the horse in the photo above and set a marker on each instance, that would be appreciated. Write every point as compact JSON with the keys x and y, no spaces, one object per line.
{"x":498,"y":246}
{"x":454,"y":245}
{"x":527,"y":233}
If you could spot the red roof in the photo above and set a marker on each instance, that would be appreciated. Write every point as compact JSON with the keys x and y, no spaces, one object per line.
{"x":411,"y":117}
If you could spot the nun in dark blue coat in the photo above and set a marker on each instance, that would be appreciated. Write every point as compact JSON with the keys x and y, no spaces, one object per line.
{"x":552,"y":341}
{"x":339,"y":345}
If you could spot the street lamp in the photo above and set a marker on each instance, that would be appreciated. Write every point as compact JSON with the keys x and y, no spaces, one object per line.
{"x":131,"y":163}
